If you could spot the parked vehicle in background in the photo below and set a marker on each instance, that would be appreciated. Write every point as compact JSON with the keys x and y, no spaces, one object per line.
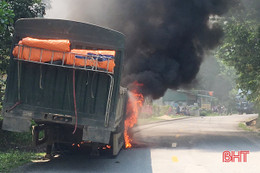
{"x":245,"y":107}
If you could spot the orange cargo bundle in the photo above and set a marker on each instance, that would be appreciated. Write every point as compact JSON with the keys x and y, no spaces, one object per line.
{"x":51,"y":44}
{"x":36,"y":54}
{"x":99,"y":58}
{"x":41,"y":49}
{"x":46,"y":50}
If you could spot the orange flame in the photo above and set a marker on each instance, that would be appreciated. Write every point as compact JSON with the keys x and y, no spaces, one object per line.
{"x":134,"y":104}
{"x":108,"y":146}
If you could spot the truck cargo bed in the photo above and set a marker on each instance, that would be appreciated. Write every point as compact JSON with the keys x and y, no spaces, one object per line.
{"x":43,"y":91}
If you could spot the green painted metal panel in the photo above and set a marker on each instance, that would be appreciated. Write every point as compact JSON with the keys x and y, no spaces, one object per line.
{"x":49,"y":89}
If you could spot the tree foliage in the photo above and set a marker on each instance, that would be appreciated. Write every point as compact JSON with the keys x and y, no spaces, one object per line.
{"x":241,"y":47}
{"x":6,"y":22}
{"x":10,"y":11}
{"x":27,"y":8}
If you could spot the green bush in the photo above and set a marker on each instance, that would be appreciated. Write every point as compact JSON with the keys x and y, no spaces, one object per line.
{"x":205,"y":112}
{"x":14,"y":140}
{"x":163,"y":110}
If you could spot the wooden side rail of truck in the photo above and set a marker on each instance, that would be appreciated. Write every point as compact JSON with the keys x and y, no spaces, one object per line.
{"x":71,"y":104}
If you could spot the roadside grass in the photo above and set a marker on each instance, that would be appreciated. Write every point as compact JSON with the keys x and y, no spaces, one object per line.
{"x":13,"y":139}
{"x":244,"y":127}
{"x":213,"y":114}
{"x":143,"y":121}
{"x":15,"y":149}
{"x":13,"y":158}
{"x":177,"y":116}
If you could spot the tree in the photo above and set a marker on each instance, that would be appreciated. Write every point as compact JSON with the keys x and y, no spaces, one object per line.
{"x":6,"y":21}
{"x":10,"y":11}
{"x":27,"y":8}
{"x":241,"y":47}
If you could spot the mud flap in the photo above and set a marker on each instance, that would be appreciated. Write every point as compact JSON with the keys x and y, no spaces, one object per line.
{"x":16,"y":124}
{"x":118,"y":142}
{"x":96,"y":134}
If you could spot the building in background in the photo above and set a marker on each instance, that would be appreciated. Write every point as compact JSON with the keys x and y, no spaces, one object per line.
{"x":201,"y":98}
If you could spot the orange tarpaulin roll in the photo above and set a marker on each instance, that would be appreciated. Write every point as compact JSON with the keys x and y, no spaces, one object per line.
{"x":36,"y":54}
{"x":46,"y":50}
{"x":80,"y":62}
{"x":51,"y":44}
{"x":106,"y":64}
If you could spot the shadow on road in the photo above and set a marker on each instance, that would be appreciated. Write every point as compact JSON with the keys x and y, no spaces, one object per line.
{"x":139,"y":160}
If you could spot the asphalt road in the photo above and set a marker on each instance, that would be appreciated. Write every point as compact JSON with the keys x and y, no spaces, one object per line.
{"x":189,"y":145}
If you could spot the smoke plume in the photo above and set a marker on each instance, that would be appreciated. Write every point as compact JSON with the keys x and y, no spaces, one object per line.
{"x":166,"y":39}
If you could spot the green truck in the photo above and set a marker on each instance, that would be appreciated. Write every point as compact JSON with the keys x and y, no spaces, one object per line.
{"x":67,"y":104}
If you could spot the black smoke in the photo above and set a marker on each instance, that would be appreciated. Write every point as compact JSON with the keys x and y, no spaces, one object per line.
{"x":166,"y":39}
